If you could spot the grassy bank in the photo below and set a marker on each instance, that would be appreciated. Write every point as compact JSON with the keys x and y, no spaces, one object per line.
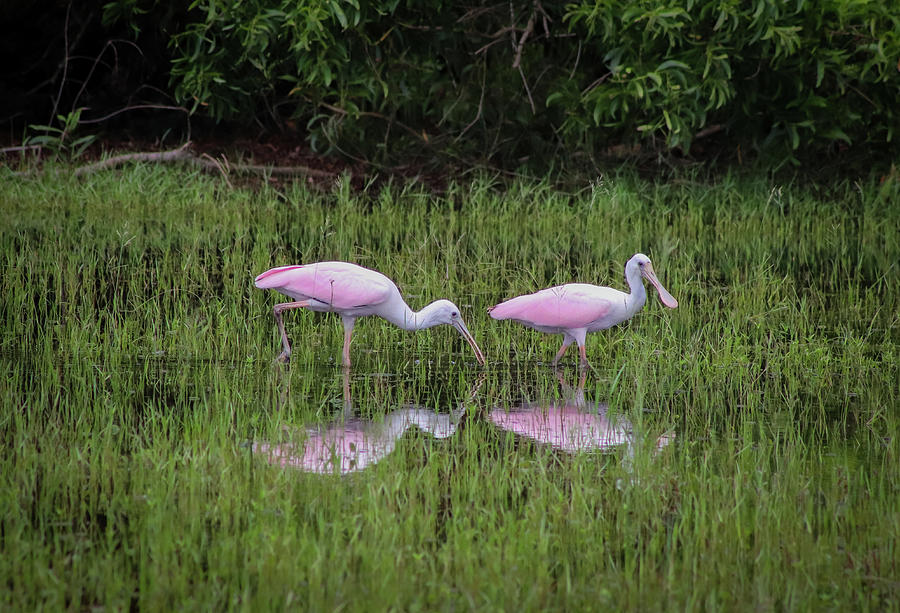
{"x":138,"y":359}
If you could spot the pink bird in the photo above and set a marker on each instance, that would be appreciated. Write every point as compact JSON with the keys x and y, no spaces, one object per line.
{"x":575,"y":309}
{"x":353,"y":291}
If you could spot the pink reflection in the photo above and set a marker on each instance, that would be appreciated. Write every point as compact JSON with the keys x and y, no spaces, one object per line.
{"x":569,"y":424}
{"x":354,"y":443}
{"x":351,"y":443}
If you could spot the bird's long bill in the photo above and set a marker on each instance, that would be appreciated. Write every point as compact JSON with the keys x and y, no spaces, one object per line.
{"x":462,"y":329}
{"x":664,"y":296}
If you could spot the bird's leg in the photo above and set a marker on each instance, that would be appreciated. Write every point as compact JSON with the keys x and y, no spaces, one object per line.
{"x":349,"y":322}
{"x":562,"y":350}
{"x":286,"y":354}
{"x":584,"y":361}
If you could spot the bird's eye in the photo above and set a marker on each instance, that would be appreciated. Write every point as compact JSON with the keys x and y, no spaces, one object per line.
{"x":641,"y":264}
{"x":454,"y":314}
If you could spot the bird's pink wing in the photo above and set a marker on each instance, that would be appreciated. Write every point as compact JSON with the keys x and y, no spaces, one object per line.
{"x":575,"y":305}
{"x":340,"y":284}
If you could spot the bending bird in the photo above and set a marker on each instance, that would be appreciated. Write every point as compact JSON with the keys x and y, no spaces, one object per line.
{"x":353,"y":291}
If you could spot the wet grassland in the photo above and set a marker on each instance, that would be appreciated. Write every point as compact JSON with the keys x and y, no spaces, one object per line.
{"x":153,"y":453}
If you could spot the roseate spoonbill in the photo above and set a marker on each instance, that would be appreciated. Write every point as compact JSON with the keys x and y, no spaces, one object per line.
{"x":575,"y":309}
{"x":353,"y":291}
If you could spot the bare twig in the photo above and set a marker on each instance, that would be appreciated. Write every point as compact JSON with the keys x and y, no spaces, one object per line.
{"x":577,"y":59}
{"x":512,"y":25}
{"x":528,"y":91}
{"x":475,"y":13}
{"x":544,"y":17}
{"x":345,"y":112}
{"x":109,"y":44}
{"x":519,"y":46}
{"x":60,"y":66}
{"x":709,"y":131}
{"x":529,"y":28}
{"x":504,"y":31}
{"x":596,"y":83}
{"x":62,"y":81}
{"x":480,"y":103}
{"x":412,"y":26}
{"x":137,"y":107}
{"x":484,"y":48}
{"x":20,"y":148}
{"x":498,"y":36}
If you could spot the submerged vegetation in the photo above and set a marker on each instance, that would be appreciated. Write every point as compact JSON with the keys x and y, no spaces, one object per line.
{"x":139,"y":379}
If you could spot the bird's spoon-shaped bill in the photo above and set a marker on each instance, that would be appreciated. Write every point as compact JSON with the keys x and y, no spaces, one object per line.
{"x":464,"y":331}
{"x":664,"y":296}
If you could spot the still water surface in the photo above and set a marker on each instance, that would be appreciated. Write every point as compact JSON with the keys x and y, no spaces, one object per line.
{"x":565,"y":420}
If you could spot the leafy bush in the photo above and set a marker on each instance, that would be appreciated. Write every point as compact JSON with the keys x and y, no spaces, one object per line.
{"x":789,"y":74}
{"x":528,"y":78}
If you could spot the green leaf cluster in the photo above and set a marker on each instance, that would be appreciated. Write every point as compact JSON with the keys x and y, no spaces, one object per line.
{"x":60,"y":141}
{"x":788,"y":74}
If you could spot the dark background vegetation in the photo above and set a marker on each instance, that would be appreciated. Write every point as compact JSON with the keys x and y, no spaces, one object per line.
{"x":522,"y":84}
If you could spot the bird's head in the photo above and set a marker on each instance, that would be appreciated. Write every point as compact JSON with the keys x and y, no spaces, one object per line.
{"x":641,"y":263}
{"x":445,"y":312}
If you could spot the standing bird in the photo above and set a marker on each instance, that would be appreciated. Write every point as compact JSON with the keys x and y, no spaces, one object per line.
{"x":353,"y":291}
{"x":575,"y":309}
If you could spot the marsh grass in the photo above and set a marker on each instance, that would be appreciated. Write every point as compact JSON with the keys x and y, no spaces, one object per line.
{"x":138,"y":361}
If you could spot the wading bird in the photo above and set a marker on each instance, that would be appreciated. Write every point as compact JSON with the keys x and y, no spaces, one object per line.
{"x":353,"y":291}
{"x":575,"y":309}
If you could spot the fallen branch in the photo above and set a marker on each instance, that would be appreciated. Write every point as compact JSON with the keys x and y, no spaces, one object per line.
{"x":117,"y":160}
{"x":183,"y":154}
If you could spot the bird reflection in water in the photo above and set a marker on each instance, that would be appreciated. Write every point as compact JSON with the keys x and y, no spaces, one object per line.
{"x":570,"y":423}
{"x":351,"y":443}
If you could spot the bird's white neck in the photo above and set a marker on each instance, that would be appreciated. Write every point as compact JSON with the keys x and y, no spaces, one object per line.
{"x":638,"y":296}
{"x":408,"y":319}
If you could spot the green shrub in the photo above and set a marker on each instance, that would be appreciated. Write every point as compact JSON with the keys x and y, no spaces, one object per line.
{"x":790,"y":74}
{"x":527,"y":78}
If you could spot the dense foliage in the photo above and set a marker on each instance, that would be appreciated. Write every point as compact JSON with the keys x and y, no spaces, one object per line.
{"x":528,"y":79}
